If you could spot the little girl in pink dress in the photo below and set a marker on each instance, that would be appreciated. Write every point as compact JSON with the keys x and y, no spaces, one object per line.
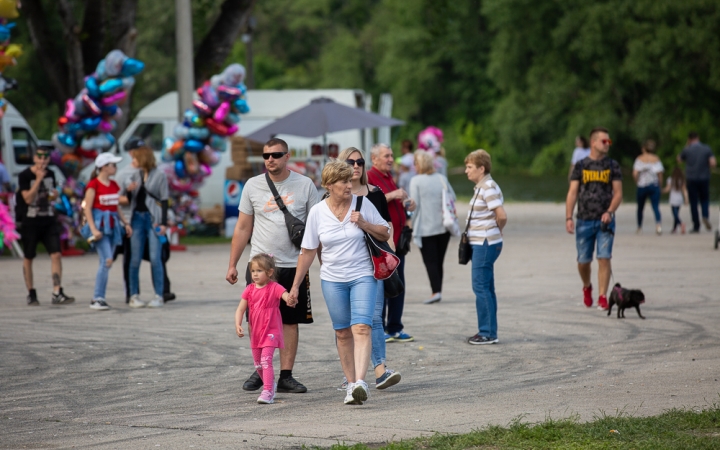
{"x":262,"y":301}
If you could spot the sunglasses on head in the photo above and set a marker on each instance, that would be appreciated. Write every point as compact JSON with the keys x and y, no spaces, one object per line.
{"x":275,"y":155}
{"x":360,"y":162}
{"x":42,"y":155}
{"x":606,"y":141}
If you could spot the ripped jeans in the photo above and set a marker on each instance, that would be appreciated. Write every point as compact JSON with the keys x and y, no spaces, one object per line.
{"x":105,"y":252}
{"x":588,"y":234}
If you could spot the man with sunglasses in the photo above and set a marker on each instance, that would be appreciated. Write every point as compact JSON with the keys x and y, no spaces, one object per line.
{"x":263,"y":223}
{"x":35,"y":216}
{"x":596,"y":187}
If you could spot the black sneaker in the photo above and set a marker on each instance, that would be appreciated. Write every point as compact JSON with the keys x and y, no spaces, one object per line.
{"x":168,"y":297}
{"x":253,"y":383}
{"x":389,"y":378}
{"x":32,"y":298}
{"x":482,"y":340}
{"x":61,"y":299}
{"x":290,"y":385}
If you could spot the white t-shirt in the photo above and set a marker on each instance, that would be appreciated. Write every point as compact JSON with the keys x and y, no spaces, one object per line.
{"x":579,"y":154}
{"x":647,"y":172}
{"x":270,"y":234}
{"x":344,"y":254}
{"x":677,"y":198}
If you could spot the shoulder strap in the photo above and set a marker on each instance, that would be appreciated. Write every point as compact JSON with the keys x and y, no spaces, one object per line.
{"x":358,"y":202}
{"x":472,"y":205}
{"x":147,"y":191}
{"x":275,"y":194}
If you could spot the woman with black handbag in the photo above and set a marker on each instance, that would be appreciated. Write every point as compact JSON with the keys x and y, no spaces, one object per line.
{"x":347,"y":274}
{"x":486,"y":220}
{"x":384,"y":377}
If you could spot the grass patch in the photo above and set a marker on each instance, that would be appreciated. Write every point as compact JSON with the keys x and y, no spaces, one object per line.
{"x":674,"y":429}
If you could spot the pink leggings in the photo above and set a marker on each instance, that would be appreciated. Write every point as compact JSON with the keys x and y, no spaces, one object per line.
{"x":263,"y":358}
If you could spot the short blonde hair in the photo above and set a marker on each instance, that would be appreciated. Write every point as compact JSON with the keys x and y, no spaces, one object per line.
{"x":424,"y":162}
{"x":480,"y":158}
{"x":345,"y":154}
{"x":145,"y":158}
{"x":335,"y":171}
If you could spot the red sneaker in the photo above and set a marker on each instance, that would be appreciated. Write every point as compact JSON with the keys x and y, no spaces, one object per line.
{"x":587,"y":296}
{"x":602,"y":303}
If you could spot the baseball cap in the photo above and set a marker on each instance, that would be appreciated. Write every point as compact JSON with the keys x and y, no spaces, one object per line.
{"x":133,"y":143}
{"x":106,"y":158}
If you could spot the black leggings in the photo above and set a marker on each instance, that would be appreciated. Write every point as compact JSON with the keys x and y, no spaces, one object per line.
{"x":433,"y":254}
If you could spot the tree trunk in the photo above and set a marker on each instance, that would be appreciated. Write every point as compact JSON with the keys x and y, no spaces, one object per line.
{"x":55,"y":67}
{"x":74,"y":56}
{"x":217,"y":44}
{"x":123,"y":35}
{"x":93,"y":34}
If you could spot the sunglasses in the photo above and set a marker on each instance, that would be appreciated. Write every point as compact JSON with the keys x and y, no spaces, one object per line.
{"x":360,"y":162}
{"x":275,"y":155}
{"x":606,"y":141}
{"x":42,"y":155}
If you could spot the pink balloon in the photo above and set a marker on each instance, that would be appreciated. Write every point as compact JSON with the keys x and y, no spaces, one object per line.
{"x":222,"y":111}
{"x":91,"y":105}
{"x":106,"y":126}
{"x":112,"y":99}
{"x":232,"y":129}
{"x":70,"y":110}
{"x":202,"y":108}
{"x":205,"y":170}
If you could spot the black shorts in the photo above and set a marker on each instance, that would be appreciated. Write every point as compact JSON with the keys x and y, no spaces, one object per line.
{"x":302,"y":312}
{"x":47,"y":232}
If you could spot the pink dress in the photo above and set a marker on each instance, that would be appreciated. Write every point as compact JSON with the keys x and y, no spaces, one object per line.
{"x":266,"y":328}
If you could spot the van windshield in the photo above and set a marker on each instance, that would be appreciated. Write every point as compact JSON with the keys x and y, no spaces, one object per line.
{"x":23,"y":145}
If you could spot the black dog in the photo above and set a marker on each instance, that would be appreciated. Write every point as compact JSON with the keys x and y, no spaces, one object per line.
{"x":625,"y":298}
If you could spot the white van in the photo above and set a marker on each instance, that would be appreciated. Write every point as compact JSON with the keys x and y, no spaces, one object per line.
{"x":158,"y":119}
{"x":18,"y":144}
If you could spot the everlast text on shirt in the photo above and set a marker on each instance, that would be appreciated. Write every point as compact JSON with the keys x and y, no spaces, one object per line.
{"x":596,"y":176}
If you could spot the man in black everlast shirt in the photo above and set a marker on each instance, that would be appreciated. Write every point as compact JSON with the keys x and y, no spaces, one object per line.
{"x":596,"y":186}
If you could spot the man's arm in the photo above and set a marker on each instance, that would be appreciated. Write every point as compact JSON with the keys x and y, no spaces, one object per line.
{"x":570,"y":205}
{"x":30,"y":194}
{"x":713,"y":162}
{"x":614,"y":203}
{"x":241,"y":236}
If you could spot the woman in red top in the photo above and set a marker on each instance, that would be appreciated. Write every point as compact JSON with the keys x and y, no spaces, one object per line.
{"x":103,"y":221}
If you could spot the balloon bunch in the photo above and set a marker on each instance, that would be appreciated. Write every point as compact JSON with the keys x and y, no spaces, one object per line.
{"x":7,"y":227}
{"x":430,"y":139}
{"x":90,"y":118}
{"x":202,"y":135}
{"x":69,"y":205}
{"x":8,"y":52}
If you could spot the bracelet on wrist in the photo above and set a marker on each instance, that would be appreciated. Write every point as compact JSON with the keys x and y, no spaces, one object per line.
{"x":569,"y":218}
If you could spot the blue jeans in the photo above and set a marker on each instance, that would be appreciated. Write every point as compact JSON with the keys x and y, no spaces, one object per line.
{"x":393,"y":308}
{"x":142,"y":226}
{"x":350,"y":302}
{"x":643,"y":193}
{"x":105,"y":252}
{"x":377,"y":356}
{"x":676,"y":217}
{"x":483,"y":284}
{"x":587,"y":234}
{"x":698,"y":191}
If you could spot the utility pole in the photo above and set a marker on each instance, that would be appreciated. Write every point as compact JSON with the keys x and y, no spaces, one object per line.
{"x":247,"y":39}
{"x":184,"y":48}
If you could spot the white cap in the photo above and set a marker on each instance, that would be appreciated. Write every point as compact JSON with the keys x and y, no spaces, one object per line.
{"x":103,"y":159}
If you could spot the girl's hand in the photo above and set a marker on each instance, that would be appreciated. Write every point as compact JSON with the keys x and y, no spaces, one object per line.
{"x":292,"y":301}
{"x":128,"y":230}
{"x":97,"y":234}
{"x":239,"y":330}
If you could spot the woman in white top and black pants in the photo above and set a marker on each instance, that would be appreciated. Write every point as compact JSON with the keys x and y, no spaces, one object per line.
{"x":346,"y":271}
{"x":648,"y":174}
{"x":487,"y":218}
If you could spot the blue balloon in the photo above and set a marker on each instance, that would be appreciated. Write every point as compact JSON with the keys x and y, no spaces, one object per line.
{"x":110,"y":110}
{"x":180,"y":169}
{"x":193,"y":145}
{"x":110,"y":86}
{"x":110,"y":138}
{"x":198,"y":133}
{"x":73,"y":128}
{"x":90,"y":123}
{"x":232,"y":118}
{"x":67,"y":140}
{"x":91,"y":85}
{"x":241,"y":106}
{"x":218,"y":142}
{"x":131,"y":67}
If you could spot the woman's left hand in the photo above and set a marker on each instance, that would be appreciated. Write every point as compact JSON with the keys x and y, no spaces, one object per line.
{"x":128,"y":230}
{"x":357,"y":219}
{"x":162,"y":229}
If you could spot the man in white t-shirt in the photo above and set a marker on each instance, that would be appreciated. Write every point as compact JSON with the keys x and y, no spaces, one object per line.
{"x":263,"y":223}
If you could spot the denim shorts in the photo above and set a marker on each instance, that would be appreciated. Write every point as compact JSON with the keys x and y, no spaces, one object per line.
{"x":350,"y":302}
{"x":587,"y":234}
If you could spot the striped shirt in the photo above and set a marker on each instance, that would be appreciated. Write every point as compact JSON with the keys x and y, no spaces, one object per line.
{"x":483,"y":220}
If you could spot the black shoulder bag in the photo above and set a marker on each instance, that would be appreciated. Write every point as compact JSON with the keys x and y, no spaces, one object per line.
{"x":295,"y":226}
{"x":465,"y":251}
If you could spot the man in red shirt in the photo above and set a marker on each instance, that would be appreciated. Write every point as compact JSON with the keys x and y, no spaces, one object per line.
{"x":380,"y":175}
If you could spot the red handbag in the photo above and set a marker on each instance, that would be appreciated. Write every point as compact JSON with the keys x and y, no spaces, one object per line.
{"x":383,"y":259}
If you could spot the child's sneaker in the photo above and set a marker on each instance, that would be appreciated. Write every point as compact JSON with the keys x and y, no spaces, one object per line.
{"x":99,"y":304}
{"x":267,"y":397}
{"x":156,"y":302}
{"x":602,"y":303}
{"x":587,"y":296}
{"x":135,"y":302}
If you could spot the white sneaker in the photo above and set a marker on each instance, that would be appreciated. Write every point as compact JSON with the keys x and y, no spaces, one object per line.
{"x":349,"y":399}
{"x":360,"y":391}
{"x":156,"y":302}
{"x":135,"y":302}
{"x":99,"y":304}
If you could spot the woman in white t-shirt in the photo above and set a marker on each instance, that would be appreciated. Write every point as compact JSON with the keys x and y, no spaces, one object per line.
{"x":346,"y":272}
{"x":648,"y":174}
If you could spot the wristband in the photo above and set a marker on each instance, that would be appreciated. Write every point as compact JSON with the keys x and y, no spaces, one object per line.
{"x":569,"y":218}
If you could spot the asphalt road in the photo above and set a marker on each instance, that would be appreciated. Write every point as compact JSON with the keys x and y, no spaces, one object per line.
{"x":171,"y":378}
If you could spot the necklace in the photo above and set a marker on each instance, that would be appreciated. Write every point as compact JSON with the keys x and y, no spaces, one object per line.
{"x":340,"y":214}
{"x":359,"y":190}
